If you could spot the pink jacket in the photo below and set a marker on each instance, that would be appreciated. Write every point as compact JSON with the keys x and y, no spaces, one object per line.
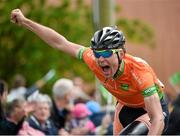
{"x":29,"y":131}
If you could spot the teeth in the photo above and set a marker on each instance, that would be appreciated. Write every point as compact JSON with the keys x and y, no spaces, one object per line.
{"x":101,"y":63}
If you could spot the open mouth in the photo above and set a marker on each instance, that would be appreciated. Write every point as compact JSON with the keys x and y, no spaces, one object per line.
{"x":105,"y":68}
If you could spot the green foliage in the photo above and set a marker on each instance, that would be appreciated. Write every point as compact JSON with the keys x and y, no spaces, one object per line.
{"x":137,"y":31}
{"x":23,"y":52}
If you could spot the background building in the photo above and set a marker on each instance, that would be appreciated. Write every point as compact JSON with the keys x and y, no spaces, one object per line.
{"x":163,"y":17}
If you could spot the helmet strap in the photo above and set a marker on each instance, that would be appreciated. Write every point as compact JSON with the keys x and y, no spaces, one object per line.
{"x":119,"y":63}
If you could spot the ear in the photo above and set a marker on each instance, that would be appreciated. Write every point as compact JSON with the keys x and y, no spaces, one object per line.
{"x":121,"y":52}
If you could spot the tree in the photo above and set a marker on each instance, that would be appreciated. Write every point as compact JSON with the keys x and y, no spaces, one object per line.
{"x":23,"y":52}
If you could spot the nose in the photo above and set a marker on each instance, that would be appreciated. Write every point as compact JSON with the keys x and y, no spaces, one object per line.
{"x":101,"y":58}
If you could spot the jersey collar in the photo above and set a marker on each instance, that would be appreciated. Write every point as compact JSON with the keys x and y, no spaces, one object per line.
{"x":120,"y":71}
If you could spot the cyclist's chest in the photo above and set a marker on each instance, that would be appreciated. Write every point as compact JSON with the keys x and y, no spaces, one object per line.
{"x":121,"y":87}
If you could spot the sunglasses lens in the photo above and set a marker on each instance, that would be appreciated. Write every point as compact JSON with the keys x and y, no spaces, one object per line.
{"x":104,"y":54}
{"x":97,"y":55}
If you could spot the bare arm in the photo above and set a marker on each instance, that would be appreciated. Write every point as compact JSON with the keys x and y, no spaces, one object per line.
{"x":153,"y":107}
{"x":47,"y":34}
{"x":117,"y":125}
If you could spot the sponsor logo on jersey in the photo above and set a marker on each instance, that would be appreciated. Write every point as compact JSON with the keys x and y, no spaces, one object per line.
{"x":124,"y":87}
{"x":149,"y":91}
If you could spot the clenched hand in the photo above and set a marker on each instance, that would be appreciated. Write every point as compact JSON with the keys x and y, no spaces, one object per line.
{"x":17,"y":17}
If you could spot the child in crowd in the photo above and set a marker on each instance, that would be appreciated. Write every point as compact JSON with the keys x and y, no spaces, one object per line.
{"x":81,"y":124}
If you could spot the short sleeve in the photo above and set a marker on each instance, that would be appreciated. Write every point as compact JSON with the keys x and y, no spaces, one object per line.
{"x":147,"y":85}
{"x":80,"y":53}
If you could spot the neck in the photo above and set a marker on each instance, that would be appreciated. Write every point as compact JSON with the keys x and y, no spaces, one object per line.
{"x":12,"y":119}
{"x":118,"y":68}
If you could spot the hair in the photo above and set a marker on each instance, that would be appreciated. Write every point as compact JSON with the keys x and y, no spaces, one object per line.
{"x":12,"y":105}
{"x":41,"y":98}
{"x":62,"y":87}
{"x":3,"y":89}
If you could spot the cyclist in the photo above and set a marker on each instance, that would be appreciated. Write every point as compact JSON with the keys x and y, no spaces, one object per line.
{"x":141,"y":108}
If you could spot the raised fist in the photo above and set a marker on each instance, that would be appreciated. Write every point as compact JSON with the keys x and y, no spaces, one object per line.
{"x":17,"y":17}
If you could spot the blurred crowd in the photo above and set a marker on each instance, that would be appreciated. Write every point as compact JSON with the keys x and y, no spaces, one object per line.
{"x":68,"y":111}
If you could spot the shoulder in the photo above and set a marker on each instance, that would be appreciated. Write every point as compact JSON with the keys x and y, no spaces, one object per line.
{"x":7,"y":127}
{"x":84,"y":52}
{"x":135,"y":60}
{"x":140,"y":71}
{"x":136,"y":65}
{"x":86,"y":55}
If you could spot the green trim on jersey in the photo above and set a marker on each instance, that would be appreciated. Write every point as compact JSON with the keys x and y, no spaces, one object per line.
{"x":152,"y":90}
{"x":149,"y":91}
{"x":80,"y":53}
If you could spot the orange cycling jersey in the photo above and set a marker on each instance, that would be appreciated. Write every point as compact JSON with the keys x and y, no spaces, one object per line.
{"x":135,"y":81}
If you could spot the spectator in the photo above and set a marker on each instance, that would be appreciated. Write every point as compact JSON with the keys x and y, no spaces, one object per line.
{"x":16,"y":111}
{"x":7,"y":127}
{"x":86,"y":89}
{"x":19,"y":88}
{"x":40,"y":116}
{"x":79,"y":96}
{"x":174,"y":119}
{"x":93,"y":106}
{"x":81,"y":124}
{"x":101,"y":119}
{"x":27,"y":130}
{"x":79,"y":82}
{"x":97,"y":113}
{"x":62,"y":103}
{"x":106,"y":126}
